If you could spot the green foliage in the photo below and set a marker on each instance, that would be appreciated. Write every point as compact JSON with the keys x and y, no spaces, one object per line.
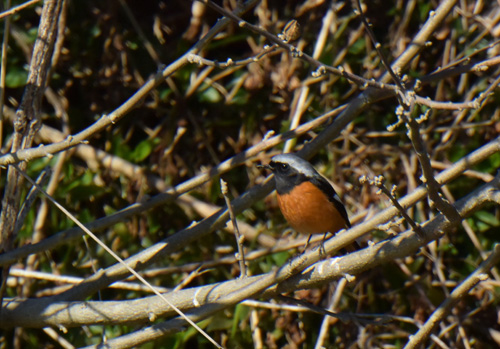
{"x":143,"y":150}
{"x":16,"y":78}
{"x":103,"y":62}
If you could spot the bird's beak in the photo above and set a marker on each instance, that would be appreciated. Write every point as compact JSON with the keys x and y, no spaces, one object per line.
{"x":267,"y":167}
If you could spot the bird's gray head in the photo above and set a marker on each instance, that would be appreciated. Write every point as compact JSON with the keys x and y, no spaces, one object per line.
{"x":290,"y":165}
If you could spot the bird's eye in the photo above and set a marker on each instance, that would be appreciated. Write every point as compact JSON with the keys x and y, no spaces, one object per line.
{"x":284,"y":167}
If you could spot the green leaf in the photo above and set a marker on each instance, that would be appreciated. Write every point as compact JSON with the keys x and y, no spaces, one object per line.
{"x":16,"y":78}
{"x":142,"y":151}
{"x":211,"y":95}
{"x":487,"y":217}
{"x":359,"y":47}
{"x":132,"y":45}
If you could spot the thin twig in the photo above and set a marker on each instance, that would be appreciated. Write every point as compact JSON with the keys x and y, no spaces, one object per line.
{"x":378,"y":181}
{"x":240,"y":256}
{"x":17,"y":8}
{"x":378,"y":46}
{"x":256,"y":331}
{"x":301,"y":95}
{"x":144,"y":39}
{"x":30,"y":199}
{"x":197,"y":59}
{"x":72,"y":280}
{"x":333,"y":302}
{"x":419,"y":41}
{"x":465,"y":64}
{"x":344,"y":317}
{"x":49,"y":331}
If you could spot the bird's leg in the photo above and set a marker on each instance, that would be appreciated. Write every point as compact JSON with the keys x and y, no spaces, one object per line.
{"x":307,"y":243}
{"x":322,"y":252}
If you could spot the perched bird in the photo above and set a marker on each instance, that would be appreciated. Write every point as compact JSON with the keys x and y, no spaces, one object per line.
{"x":307,"y":200}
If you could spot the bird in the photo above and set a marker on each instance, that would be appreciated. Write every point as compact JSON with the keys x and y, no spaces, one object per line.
{"x":306,"y":199}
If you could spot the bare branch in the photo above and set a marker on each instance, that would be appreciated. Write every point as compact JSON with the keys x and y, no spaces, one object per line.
{"x":27,"y":123}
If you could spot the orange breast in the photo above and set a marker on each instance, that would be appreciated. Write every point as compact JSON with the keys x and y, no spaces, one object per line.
{"x":308,"y":210}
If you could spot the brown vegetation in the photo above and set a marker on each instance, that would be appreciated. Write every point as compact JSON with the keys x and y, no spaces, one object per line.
{"x":144,"y":107}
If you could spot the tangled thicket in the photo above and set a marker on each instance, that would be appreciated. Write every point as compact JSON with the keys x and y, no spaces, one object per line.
{"x":144,"y":107}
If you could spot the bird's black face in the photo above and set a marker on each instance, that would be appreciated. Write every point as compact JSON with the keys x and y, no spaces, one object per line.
{"x":286,"y":176}
{"x":281,"y":168}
